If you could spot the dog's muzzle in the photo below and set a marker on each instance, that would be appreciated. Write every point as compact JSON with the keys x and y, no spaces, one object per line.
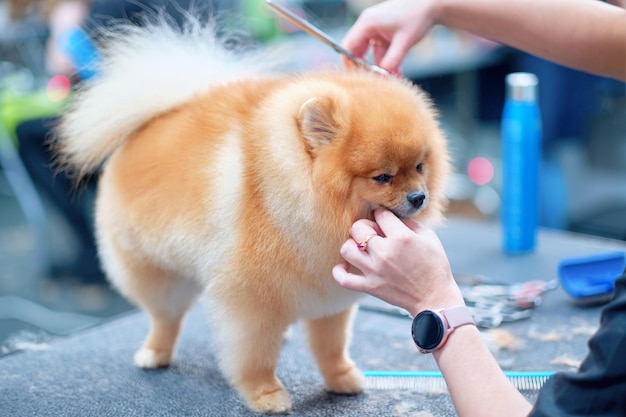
{"x":416,"y":199}
{"x":414,"y":202}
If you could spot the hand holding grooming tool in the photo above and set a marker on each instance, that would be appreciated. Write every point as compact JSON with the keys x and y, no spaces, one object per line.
{"x":317,"y":33}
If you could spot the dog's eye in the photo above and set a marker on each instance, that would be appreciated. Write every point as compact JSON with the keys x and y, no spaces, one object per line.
{"x":420,"y":168}
{"x":383,"y":178}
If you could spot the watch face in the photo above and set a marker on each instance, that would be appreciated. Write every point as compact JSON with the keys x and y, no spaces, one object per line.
{"x":427,"y":330}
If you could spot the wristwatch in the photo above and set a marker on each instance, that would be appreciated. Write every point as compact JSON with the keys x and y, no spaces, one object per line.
{"x":431,"y":328}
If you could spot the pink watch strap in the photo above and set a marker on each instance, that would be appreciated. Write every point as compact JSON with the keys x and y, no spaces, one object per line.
{"x":458,"y":316}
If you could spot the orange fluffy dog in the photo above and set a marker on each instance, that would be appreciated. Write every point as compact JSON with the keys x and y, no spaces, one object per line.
{"x":221,"y":179}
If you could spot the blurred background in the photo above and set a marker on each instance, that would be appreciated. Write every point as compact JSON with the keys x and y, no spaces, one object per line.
{"x":49,"y":281}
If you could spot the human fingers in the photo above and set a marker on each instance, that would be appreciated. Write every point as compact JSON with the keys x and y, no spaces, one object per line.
{"x":388,"y":223}
{"x":362,"y":228}
{"x":379,"y":49}
{"x":375,"y":25}
{"x":403,"y":231}
{"x":342,"y":275}
{"x":395,"y":52}
{"x":357,"y":39}
{"x":414,"y":225}
{"x":363,"y":233}
{"x":347,"y":63}
{"x":356,"y":251}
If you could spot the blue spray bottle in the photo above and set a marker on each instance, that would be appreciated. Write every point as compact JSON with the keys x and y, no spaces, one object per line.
{"x":521,"y":154}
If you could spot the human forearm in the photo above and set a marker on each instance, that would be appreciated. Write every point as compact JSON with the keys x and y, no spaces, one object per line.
{"x":477,"y":385}
{"x":583,"y":34}
{"x":405,"y":265}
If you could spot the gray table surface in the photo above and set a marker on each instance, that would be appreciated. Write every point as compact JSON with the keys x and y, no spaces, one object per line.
{"x":91,"y":373}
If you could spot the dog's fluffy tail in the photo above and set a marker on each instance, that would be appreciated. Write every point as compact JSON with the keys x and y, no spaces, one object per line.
{"x":144,"y":71}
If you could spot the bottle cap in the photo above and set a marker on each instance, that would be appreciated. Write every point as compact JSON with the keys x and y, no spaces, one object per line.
{"x":522,"y":86}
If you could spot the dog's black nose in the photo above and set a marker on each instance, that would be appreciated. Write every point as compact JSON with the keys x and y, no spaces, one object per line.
{"x":416,"y":198}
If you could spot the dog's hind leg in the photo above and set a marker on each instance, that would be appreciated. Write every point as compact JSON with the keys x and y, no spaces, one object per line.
{"x":166,"y":298}
{"x":166,"y":306}
{"x":329,"y":339}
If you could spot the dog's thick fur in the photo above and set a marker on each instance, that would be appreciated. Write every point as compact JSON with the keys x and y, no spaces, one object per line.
{"x":221,"y":179}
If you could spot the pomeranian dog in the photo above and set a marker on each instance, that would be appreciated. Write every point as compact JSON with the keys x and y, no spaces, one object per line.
{"x":223,"y":178}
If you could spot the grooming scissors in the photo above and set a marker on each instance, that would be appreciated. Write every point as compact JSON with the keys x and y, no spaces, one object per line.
{"x":317,"y":33}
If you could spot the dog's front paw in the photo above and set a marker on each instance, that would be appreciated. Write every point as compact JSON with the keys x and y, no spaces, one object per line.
{"x":267,"y":398}
{"x":150,"y":359}
{"x":274,"y":400}
{"x":350,"y":382}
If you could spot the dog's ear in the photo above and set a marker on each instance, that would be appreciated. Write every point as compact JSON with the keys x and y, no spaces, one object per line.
{"x":316,"y":121}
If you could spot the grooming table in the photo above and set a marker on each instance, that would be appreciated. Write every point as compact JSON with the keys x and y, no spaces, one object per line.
{"x":91,"y":373}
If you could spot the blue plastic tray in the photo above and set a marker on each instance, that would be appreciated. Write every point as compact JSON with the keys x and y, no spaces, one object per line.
{"x":591,"y":276}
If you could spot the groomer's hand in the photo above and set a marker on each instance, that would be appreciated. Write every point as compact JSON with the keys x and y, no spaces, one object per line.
{"x":404,"y":264}
{"x":390,"y":28}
